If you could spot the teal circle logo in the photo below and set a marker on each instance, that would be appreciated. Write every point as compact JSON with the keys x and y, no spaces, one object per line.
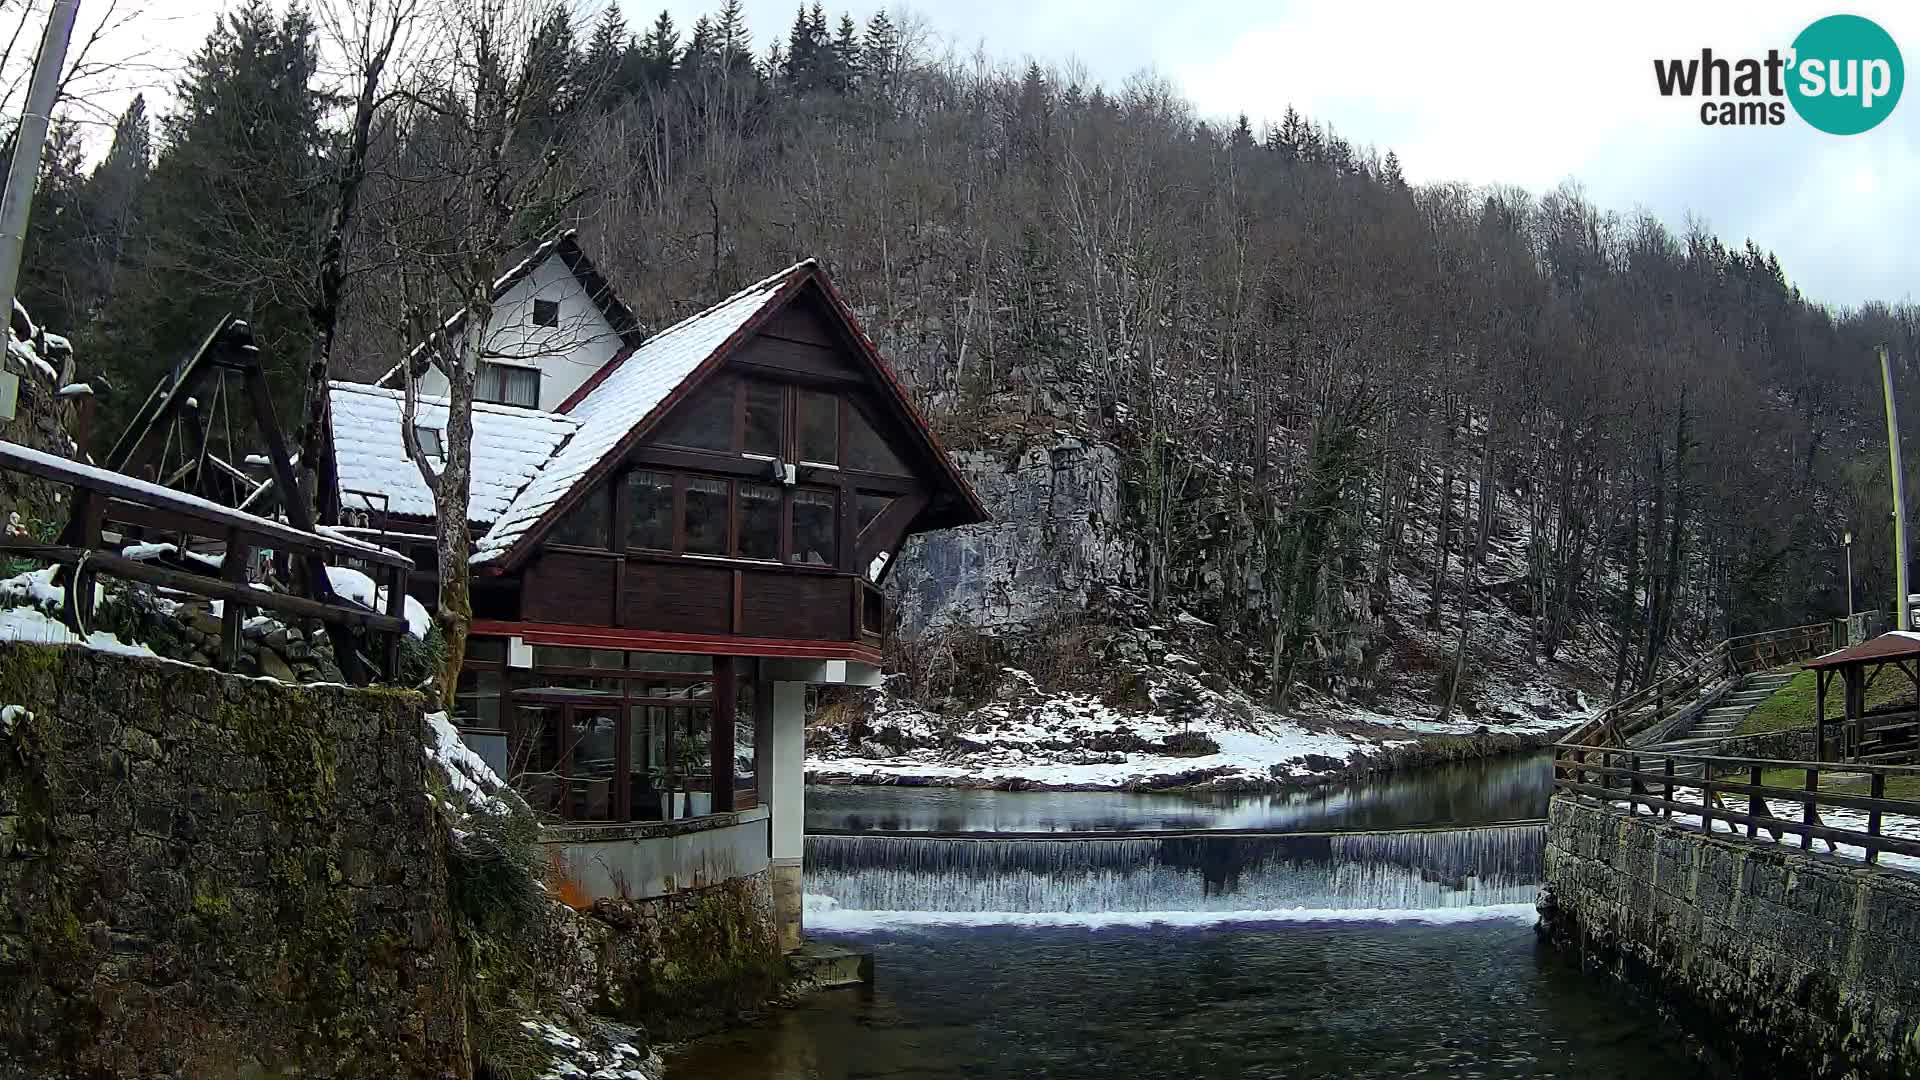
{"x":1847,"y":75}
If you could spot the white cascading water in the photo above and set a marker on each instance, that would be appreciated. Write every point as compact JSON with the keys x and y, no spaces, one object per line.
{"x":1421,"y":870}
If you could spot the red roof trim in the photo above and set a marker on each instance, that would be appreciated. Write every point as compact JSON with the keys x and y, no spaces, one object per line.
{"x":599,"y":376}
{"x":608,"y":637}
{"x":1885,"y":648}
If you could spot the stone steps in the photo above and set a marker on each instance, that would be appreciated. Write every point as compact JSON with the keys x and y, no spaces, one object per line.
{"x":1724,"y":716}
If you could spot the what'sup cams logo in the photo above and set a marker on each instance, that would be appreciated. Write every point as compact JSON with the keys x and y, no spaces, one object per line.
{"x":1843,"y":75}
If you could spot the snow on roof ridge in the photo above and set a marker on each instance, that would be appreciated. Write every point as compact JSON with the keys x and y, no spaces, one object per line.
{"x":768,"y":283}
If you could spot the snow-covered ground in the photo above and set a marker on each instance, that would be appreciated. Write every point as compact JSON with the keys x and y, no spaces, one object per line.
{"x":1190,"y":735}
{"x":1897,"y":825}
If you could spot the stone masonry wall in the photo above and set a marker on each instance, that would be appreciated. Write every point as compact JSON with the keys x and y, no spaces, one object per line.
{"x":211,"y":876}
{"x":1780,"y":956}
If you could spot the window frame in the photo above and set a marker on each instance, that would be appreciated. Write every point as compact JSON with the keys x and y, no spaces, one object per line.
{"x":544,"y":307}
{"x":423,"y":433}
{"x":506,"y":369}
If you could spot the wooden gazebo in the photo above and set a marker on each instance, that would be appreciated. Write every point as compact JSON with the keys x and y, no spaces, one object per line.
{"x":1863,"y":734}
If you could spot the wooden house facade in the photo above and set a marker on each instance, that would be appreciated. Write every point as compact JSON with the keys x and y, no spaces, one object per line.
{"x":702,"y":524}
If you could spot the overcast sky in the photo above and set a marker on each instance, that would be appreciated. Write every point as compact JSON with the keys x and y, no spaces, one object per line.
{"x":1486,"y":92}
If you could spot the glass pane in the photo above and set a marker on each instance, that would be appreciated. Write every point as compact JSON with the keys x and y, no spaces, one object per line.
{"x":522,"y":387}
{"x":706,"y":516}
{"x":651,"y":526}
{"x":867,"y":451}
{"x":608,"y":659}
{"x":487,"y":383}
{"x":653,"y":661}
{"x":642,"y":754}
{"x":706,"y":422}
{"x":477,"y":702}
{"x":591,"y":786}
{"x":555,"y":656}
{"x":492,"y":650}
{"x":586,"y":525}
{"x":766,"y":402}
{"x":759,"y":521}
{"x":870,"y":507}
{"x":813,"y":528}
{"x":819,"y":427}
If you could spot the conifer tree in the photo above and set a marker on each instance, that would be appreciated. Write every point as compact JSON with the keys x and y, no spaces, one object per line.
{"x":800,"y":65}
{"x":877,"y":53}
{"x":113,"y":194}
{"x":660,"y":50}
{"x":702,"y":46}
{"x":606,"y":53}
{"x":732,"y":44}
{"x":846,"y":55}
{"x":59,"y":287}
{"x":233,"y":207}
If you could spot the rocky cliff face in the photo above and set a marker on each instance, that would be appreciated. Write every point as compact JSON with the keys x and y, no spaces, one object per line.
{"x":1056,"y":543}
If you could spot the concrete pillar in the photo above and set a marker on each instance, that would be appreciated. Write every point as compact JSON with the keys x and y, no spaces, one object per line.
{"x":785,"y":774}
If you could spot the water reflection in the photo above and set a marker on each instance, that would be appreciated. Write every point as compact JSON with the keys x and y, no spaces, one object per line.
{"x":1497,"y":789}
{"x":1309,"y":1000}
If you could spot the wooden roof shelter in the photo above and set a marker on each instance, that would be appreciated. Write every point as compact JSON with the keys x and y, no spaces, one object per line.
{"x":1863,"y":733}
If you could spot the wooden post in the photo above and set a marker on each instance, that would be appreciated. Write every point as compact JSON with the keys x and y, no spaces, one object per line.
{"x":1820,"y":714}
{"x":762,"y":735}
{"x":1755,"y":804}
{"x":233,"y":570}
{"x":726,"y":687}
{"x":1877,"y":790}
{"x":1706,"y":797}
{"x":1807,"y":813}
{"x":396,"y":607}
{"x":1667,"y":811}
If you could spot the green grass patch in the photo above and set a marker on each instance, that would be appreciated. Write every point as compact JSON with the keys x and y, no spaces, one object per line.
{"x":1838,"y":780}
{"x":1791,"y":707}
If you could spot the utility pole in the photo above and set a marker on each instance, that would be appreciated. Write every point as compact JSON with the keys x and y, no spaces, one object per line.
{"x":17,"y":203}
{"x":1899,"y":500}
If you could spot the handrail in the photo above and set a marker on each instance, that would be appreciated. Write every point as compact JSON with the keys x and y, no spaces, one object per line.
{"x":1675,"y":691}
{"x":1622,"y":778}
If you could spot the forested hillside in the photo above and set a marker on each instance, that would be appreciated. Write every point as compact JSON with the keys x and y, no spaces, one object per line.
{"x":1340,"y":407}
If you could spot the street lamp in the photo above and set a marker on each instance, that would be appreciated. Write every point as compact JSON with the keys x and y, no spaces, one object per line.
{"x":1846,"y":541}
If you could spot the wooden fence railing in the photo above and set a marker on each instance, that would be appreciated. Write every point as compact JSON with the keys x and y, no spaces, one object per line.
{"x":1667,"y":696}
{"x":1655,"y":780}
{"x":102,"y":496}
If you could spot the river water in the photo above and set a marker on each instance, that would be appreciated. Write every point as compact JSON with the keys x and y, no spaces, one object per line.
{"x":1500,"y":789}
{"x":1407,"y":952}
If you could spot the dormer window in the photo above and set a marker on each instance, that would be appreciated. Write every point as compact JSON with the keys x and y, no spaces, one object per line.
{"x":546,"y":313}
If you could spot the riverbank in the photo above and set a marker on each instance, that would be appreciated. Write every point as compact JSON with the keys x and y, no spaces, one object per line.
{"x":1200,"y":739}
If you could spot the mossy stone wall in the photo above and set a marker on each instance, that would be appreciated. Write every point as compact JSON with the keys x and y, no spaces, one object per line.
{"x":1791,"y":963}
{"x":203,"y":875}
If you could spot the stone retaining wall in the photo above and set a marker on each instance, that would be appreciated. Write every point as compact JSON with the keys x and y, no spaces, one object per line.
{"x":203,"y":875}
{"x":1775,"y":954}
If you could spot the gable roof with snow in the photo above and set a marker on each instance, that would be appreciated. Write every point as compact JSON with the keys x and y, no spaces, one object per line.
{"x":623,"y":398}
{"x":509,"y":448}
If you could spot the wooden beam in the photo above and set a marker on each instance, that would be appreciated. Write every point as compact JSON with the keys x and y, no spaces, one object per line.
{"x":217,"y":519}
{"x":726,"y":688}
{"x":884,"y":533}
{"x":168,"y":578}
{"x":591,"y":637}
